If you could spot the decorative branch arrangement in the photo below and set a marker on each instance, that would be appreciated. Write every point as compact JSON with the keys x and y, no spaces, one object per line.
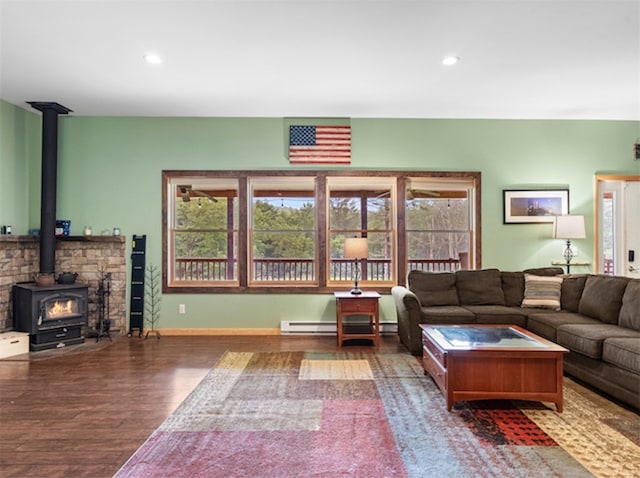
{"x":152,"y":300}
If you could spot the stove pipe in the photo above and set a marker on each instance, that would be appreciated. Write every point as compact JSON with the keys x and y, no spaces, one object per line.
{"x":50,"y":112}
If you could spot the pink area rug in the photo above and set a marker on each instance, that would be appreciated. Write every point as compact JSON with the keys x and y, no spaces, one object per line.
{"x":346,"y":414}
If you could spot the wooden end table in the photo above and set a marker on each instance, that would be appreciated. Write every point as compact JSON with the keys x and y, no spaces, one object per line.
{"x":365,"y":304}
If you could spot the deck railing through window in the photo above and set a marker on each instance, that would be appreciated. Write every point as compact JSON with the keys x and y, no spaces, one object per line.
{"x":608,"y":266}
{"x":221,"y":269}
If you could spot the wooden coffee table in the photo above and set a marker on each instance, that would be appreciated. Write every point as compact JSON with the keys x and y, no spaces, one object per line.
{"x":483,"y":362}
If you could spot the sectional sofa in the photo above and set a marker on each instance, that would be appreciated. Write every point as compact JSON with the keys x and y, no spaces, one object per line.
{"x":596,"y":317}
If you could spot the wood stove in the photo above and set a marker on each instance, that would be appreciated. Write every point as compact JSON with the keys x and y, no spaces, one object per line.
{"x":53,"y":315}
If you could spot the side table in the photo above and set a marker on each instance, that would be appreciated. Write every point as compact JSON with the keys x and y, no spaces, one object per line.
{"x":361,"y":304}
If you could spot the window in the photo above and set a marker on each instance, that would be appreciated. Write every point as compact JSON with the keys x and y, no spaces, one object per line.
{"x":253,"y":231}
{"x":439,"y":224}
{"x":362,"y":207}
{"x":203,"y":235}
{"x":283,"y":231}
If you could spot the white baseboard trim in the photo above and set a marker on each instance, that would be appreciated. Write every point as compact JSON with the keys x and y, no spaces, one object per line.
{"x":301,"y":327}
{"x":169,"y":332}
{"x":287,"y":327}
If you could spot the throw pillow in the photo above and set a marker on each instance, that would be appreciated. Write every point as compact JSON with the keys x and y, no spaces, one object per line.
{"x":542,"y":292}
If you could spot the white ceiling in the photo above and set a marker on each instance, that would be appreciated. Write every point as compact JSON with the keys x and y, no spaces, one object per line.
{"x":540,"y":59}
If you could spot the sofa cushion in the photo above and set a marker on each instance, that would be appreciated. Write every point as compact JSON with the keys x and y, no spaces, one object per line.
{"x":630,"y":310}
{"x":622,"y":352}
{"x":546,"y":323}
{"x":447,"y":314}
{"x":498,"y":314}
{"x":434,"y":288}
{"x":542,"y":292}
{"x":572,"y":287}
{"x":587,"y":339}
{"x":479,"y":287}
{"x":512,"y":287}
{"x":602,"y":297}
{"x":545,"y":271}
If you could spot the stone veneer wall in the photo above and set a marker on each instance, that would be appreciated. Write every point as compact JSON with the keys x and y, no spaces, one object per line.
{"x":89,"y":256}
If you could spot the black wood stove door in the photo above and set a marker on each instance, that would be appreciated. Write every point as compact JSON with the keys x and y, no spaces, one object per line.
{"x":38,"y":308}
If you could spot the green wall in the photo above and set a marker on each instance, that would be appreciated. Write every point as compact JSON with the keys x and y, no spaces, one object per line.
{"x":110,"y":175}
{"x":20,"y":139}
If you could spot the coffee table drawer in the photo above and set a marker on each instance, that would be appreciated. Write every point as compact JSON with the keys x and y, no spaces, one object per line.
{"x":433,"y":368}
{"x":437,"y":354}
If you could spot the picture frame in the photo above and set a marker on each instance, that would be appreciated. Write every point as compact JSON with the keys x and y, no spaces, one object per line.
{"x":534,"y":206}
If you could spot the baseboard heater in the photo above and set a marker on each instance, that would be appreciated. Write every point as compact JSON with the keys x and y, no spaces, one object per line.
{"x":293,"y":327}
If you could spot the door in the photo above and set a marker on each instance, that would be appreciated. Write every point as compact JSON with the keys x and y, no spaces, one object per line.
{"x":618,"y":225}
{"x":632,"y":234}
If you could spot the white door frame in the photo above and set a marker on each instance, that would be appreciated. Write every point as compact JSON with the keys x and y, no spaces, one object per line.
{"x":602,"y":184}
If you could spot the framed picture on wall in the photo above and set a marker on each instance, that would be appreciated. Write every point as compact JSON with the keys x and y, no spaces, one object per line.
{"x":534,"y":205}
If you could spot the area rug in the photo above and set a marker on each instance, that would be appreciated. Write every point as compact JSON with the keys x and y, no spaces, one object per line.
{"x":296,"y":414}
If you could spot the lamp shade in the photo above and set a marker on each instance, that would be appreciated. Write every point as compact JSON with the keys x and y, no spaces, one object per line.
{"x":569,"y":227}
{"x":356,"y":248}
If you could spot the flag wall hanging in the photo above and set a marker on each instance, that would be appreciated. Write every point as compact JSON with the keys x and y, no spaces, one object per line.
{"x":319,"y":144}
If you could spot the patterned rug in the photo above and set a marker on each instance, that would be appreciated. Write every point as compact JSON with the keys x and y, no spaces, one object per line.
{"x":296,"y":414}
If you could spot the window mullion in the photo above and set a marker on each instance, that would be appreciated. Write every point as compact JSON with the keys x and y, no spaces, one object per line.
{"x":323,"y":251}
{"x":243,"y":232}
{"x":401,"y":230}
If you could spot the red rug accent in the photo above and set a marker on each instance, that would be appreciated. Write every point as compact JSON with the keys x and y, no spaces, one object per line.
{"x":502,"y":423}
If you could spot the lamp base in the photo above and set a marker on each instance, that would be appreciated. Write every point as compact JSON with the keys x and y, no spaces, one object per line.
{"x":356,"y":291}
{"x":568,"y":255}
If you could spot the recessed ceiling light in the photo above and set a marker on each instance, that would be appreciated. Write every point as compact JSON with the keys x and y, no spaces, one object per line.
{"x":153,"y":58}
{"x":450,"y":60}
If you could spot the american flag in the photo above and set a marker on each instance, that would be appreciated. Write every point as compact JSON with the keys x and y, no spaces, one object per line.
{"x":320,"y":144}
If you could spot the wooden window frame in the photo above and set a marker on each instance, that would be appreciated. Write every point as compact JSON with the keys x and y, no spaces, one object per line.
{"x":243,"y":286}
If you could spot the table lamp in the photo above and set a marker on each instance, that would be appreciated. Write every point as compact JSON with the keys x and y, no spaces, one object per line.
{"x":356,"y":248}
{"x":568,"y":227}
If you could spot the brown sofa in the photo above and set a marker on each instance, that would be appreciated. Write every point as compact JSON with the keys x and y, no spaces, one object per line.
{"x":596,"y":317}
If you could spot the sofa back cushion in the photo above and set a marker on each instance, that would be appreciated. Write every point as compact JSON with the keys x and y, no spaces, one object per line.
{"x":480,"y":287}
{"x":545,"y":271}
{"x":434,"y":288}
{"x":572,"y":287}
{"x":602,"y":297}
{"x":630,"y":310}
{"x":512,"y":287}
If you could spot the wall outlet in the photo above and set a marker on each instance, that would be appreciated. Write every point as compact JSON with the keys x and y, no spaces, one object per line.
{"x":182,"y":309}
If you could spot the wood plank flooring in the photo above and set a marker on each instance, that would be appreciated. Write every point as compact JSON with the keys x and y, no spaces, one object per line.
{"x":82,"y":411}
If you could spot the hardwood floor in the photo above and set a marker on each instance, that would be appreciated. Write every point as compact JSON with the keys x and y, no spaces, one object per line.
{"x":82,"y":411}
